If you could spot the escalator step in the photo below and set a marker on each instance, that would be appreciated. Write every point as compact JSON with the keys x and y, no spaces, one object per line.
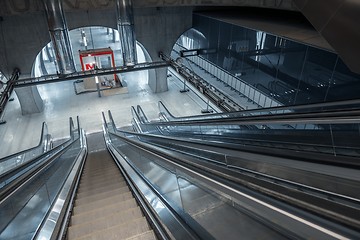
{"x":98,"y":224}
{"x":104,"y":211}
{"x":101,"y":170}
{"x":98,"y":184}
{"x":149,"y":235}
{"x":101,"y":195}
{"x":120,"y":231}
{"x":100,"y":203}
{"x":109,"y":187}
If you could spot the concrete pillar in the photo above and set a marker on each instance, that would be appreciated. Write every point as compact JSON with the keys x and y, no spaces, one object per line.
{"x":126,"y":30}
{"x":59,"y":36}
{"x":157,"y":29}
{"x":30,"y":100}
{"x":158,"y":83}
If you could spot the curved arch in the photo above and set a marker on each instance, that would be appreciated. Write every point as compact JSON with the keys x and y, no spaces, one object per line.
{"x":44,"y":62}
{"x":193,"y":39}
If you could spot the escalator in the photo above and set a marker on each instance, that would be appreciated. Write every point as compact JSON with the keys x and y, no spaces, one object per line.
{"x":143,"y":186}
{"x":104,"y":206}
{"x":326,"y":131}
{"x":221,"y":201}
{"x":76,"y":190}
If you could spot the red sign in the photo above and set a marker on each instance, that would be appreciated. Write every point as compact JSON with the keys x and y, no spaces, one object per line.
{"x":89,"y":66}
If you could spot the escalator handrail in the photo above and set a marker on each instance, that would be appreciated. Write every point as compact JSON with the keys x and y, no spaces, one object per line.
{"x":270,"y":109}
{"x":141,"y":114}
{"x":160,"y":228}
{"x":18,"y":169}
{"x":32,"y":167}
{"x":14,"y":185}
{"x":151,"y":149}
{"x":60,"y":210}
{"x":42,"y":143}
{"x":194,"y":144}
{"x":293,"y":118}
{"x":161,"y":106}
{"x":345,"y":161}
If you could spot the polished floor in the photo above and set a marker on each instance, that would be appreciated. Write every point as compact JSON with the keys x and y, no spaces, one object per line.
{"x":21,"y":132}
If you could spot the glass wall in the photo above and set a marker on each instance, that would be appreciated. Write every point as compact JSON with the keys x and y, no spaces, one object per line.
{"x":288,"y":71}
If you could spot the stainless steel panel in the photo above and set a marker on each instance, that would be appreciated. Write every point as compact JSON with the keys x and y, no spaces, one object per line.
{"x":59,"y":36}
{"x":127,"y":32}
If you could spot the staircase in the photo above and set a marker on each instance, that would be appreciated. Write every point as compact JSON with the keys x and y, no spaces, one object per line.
{"x":104,"y":207}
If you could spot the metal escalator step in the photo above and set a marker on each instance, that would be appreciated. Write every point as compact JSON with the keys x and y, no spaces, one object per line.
{"x":106,"y":188}
{"x":102,"y":195}
{"x":101,"y":174}
{"x":103,"y":202}
{"x":98,"y":184}
{"x":129,"y":204}
{"x":103,"y":190}
{"x":103,"y":178}
{"x":99,"y":170}
{"x":121,"y":231}
{"x":149,"y":235}
{"x":101,"y":223}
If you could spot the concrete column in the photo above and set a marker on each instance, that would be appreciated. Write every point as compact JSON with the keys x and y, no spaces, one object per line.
{"x":59,"y":36}
{"x":30,"y":100}
{"x":126,"y":30}
{"x":157,"y":29}
{"x":158,"y":82}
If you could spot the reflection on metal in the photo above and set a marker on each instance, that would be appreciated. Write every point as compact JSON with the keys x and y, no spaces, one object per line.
{"x":13,"y":161}
{"x":96,"y":72}
{"x":189,"y":184}
{"x":59,"y":36}
{"x":52,"y":226}
{"x":35,"y":194}
{"x":126,"y":30}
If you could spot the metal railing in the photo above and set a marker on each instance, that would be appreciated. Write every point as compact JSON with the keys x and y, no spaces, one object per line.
{"x":34,"y":187}
{"x":189,"y":187}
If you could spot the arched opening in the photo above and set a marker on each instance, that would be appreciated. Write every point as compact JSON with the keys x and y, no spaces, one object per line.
{"x":95,"y":37}
{"x":192,"y":39}
{"x":85,"y":38}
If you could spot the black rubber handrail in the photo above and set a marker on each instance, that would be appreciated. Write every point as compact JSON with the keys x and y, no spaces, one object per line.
{"x":293,"y":108}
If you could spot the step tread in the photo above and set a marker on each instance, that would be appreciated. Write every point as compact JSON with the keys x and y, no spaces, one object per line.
{"x":101,"y":195}
{"x":102,"y":202}
{"x":111,"y":208}
{"x":120,"y":231}
{"x":90,"y":191}
{"x":100,"y":183}
{"x":98,"y":224}
{"x":149,"y":235}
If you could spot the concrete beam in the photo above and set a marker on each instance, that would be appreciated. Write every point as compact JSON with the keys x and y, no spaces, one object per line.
{"x":11,"y":7}
{"x":338,"y":24}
